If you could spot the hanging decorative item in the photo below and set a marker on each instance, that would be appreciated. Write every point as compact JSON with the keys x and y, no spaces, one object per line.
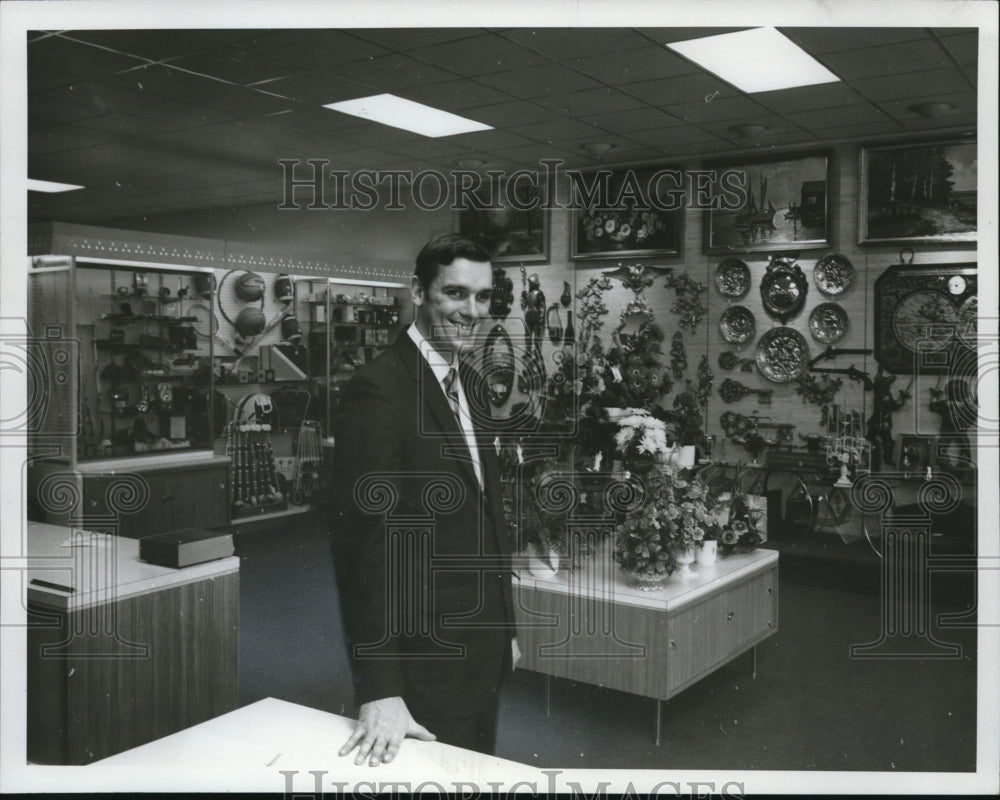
{"x":782,"y":355}
{"x":704,"y":386}
{"x":818,"y":391}
{"x":554,"y":324}
{"x":503,"y":294}
{"x":738,"y":325}
{"x":498,"y":365}
{"x":828,"y":323}
{"x":690,"y":305}
{"x":732,"y":278}
{"x":728,"y":360}
{"x":730,"y":391}
{"x":566,"y":297}
{"x":783,"y":288}
{"x":678,"y":356}
{"x":833,"y":274}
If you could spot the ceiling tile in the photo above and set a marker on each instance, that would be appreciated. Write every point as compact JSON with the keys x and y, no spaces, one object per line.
{"x":833,"y":39}
{"x":392,"y":72}
{"x":964,"y":104}
{"x":664,"y":35}
{"x":236,"y":64}
{"x":100,"y":96}
{"x":154,"y":45}
{"x":487,"y":141}
{"x":500,"y":114}
{"x":830,"y":117}
{"x":164,"y":81}
{"x":46,"y":111}
{"x":40,"y":79}
{"x":647,"y":63}
{"x":858,"y":130}
{"x":687,"y":89}
{"x":566,"y":43}
{"x":669,"y":137}
{"x":557,"y":130}
{"x":374,"y":133}
{"x":533,"y":154}
{"x":727,"y":108}
{"x":589,"y":102}
{"x":243,"y":102}
{"x":64,"y":137}
{"x":478,"y":55}
{"x":457,"y":95}
{"x":892,"y":59}
{"x":84,"y":60}
{"x":934,"y":81}
{"x":414,"y":38}
{"x":539,"y":80}
{"x":804,"y":98}
{"x":964,"y":47}
{"x":315,"y":48}
{"x":316,"y":88}
{"x":636,"y":119}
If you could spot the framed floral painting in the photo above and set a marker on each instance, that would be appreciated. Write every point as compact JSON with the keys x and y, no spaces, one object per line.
{"x":626,"y":213}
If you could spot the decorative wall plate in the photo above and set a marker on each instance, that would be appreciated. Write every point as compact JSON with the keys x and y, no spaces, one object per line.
{"x":732,"y":278}
{"x":833,"y":274}
{"x":738,"y":325}
{"x":783,"y":289}
{"x":828,"y":323}
{"x":782,"y":354}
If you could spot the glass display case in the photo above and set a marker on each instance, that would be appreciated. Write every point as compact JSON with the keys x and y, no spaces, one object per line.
{"x":142,"y":378}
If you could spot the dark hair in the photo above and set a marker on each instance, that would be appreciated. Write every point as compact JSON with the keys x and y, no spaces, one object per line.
{"x":441,"y":251}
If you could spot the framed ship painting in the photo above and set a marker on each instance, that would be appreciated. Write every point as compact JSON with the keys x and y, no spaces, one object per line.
{"x":769,"y":205}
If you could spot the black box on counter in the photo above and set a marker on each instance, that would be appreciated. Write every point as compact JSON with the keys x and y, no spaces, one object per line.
{"x":186,"y":547}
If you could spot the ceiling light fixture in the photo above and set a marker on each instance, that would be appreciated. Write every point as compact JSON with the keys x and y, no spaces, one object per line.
{"x":932,"y":110}
{"x":51,"y":187}
{"x":750,"y":130}
{"x":598,"y":149}
{"x":398,"y":112}
{"x":757,"y":60}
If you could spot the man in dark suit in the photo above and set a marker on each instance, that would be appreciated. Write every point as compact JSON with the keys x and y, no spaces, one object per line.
{"x":420,"y":548}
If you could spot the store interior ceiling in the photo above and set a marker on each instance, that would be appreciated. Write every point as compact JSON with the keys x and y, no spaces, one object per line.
{"x":152,"y":122}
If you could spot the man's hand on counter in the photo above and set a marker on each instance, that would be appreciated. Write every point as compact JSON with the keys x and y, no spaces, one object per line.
{"x":382,"y":725}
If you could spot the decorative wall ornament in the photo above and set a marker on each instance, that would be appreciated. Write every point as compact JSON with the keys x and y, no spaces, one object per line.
{"x":783,"y":288}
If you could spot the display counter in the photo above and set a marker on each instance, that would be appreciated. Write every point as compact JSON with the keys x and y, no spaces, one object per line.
{"x":121,"y":652}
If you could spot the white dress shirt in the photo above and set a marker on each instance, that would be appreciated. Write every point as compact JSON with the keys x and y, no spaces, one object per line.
{"x":440,"y":365}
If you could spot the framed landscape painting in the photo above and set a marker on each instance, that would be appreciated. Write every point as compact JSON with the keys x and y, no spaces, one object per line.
{"x":763,"y":205}
{"x":918,"y":193}
{"x":512,"y":231}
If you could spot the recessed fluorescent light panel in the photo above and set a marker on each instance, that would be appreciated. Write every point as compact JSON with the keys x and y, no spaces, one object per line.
{"x":758,"y":60}
{"x":416,"y":117}
{"x":35,"y":185}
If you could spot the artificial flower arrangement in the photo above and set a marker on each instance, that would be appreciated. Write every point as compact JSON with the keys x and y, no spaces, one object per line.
{"x":673,"y":513}
{"x":635,"y":376}
{"x":742,"y":530}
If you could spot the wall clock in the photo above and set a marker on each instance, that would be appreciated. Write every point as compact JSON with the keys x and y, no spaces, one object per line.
{"x":925,"y":317}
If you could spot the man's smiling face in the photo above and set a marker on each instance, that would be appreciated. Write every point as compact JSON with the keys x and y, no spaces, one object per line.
{"x":448,"y":311}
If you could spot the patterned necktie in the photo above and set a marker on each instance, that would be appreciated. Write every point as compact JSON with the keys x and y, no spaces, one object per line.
{"x":451,"y":391}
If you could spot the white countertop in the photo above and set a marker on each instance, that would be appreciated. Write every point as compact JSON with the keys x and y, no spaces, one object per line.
{"x":285,"y":736}
{"x":94,"y":568}
{"x":599,"y":578}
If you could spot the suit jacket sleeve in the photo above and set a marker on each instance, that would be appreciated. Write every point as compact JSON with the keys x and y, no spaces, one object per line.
{"x":366,"y":441}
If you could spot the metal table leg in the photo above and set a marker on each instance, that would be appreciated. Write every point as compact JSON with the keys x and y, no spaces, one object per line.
{"x":658,"y":704}
{"x":548,"y":695}
{"x":755,"y":662}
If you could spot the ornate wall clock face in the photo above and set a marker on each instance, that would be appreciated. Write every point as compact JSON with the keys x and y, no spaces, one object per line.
{"x":922,"y":317}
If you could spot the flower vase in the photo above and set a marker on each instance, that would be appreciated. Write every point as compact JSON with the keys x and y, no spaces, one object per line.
{"x":684,"y":559}
{"x":645,"y":582}
{"x":707,"y":553}
{"x":540,"y":567}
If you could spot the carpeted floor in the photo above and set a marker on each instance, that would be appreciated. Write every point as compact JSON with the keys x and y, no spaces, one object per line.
{"x":811,"y":706}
